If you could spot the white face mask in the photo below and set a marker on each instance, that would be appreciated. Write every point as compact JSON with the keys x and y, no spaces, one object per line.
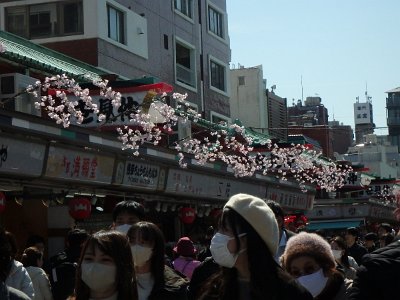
{"x":98,"y":277}
{"x":314,"y":282}
{"x":337,"y":253}
{"x":220,"y":252}
{"x":141,"y":254}
{"x":123,"y":228}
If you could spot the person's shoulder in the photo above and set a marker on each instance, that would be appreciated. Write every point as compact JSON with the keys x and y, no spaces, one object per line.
{"x":172,"y":278}
{"x":387,"y":256}
{"x":289,"y":234}
{"x":16,"y":294}
{"x":293,"y":290}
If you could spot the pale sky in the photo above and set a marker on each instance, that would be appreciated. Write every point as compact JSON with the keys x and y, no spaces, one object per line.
{"x":335,"y":46}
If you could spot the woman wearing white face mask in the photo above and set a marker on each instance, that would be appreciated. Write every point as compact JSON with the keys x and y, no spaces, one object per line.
{"x":244,"y":246}
{"x":346,"y":262}
{"x":154,"y":279}
{"x":105,"y":270}
{"x":309,"y":258}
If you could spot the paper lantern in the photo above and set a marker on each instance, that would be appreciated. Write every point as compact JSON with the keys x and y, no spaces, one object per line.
{"x":80,"y":208}
{"x":216,"y":213}
{"x":2,"y":202}
{"x":187,"y":215}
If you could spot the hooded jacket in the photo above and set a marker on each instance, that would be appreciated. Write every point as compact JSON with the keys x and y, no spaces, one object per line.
{"x":19,"y":279}
{"x":41,"y":283}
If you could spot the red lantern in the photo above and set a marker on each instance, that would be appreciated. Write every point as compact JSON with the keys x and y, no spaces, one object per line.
{"x":187,"y":215}
{"x":216,"y":213}
{"x":2,"y":202}
{"x":80,"y":208}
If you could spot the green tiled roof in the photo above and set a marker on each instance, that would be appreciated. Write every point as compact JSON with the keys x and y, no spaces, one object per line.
{"x":25,"y":52}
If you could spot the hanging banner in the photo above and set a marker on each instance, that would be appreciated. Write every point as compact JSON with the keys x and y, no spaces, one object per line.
{"x":205,"y":186}
{"x":21,"y":157}
{"x":79,"y":165}
{"x":291,"y":199}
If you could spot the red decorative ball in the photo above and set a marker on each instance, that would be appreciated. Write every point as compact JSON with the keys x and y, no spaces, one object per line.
{"x":80,"y":208}
{"x":187,"y":215}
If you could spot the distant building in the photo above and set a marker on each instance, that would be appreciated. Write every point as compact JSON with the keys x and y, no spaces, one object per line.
{"x":313,"y":112}
{"x":342,"y":137}
{"x":320,"y":133}
{"x":363,"y":118}
{"x":277,"y":116}
{"x":393,"y":115}
{"x":381,"y":158}
{"x":254,"y":105}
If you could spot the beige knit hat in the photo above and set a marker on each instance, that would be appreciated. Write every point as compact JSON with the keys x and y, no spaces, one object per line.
{"x":258,"y":214}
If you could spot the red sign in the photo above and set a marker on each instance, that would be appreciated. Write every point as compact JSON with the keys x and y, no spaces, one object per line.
{"x":80,"y":208}
{"x":187,"y":215}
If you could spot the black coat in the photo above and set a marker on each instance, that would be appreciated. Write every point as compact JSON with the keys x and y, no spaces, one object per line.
{"x":357,"y":252}
{"x":378,"y":277}
{"x":175,"y":287}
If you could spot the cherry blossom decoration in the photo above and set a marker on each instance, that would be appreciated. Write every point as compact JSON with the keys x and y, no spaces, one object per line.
{"x":226,"y":143}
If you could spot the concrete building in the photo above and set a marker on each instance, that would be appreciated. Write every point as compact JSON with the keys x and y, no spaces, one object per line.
{"x":342,"y":136}
{"x":381,"y":158}
{"x":363,"y":118}
{"x":254,"y":105}
{"x":393,"y":115}
{"x":311,"y":112}
{"x":184,"y":43}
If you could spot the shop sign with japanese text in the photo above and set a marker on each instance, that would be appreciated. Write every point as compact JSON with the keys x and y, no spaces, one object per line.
{"x":71,"y":164}
{"x":194,"y":184}
{"x":291,"y":199}
{"x":21,"y":157}
{"x":141,"y":175}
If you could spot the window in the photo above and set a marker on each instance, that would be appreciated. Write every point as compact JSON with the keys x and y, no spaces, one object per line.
{"x":185,"y":64}
{"x":40,"y":24}
{"x":216,"y":22}
{"x":241,"y":80}
{"x":217,"y":75}
{"x":185,"y":7}
{"x":116,"y":27}
{"x":45,"y":20}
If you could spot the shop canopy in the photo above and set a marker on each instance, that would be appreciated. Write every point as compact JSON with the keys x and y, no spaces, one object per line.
{"x":27,"y":53}
{"x":334,"y":224}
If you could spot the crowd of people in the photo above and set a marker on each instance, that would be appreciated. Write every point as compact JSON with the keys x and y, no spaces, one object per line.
{"x":251,"y":255}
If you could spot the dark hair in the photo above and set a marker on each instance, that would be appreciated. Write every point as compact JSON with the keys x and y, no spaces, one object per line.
{"x":352,"y":231}
{"x":265,"y":274}
{"x":129,"y":206}
{"x":344,"y":260}
{"x":386,"y":226}
{"x":5,"y":255}
{"x":31,"y":256}
{"x":276,"y":208}
{"x":149,"y":232}
{"x":13,"y":244}
{"x":115,"y":245}
{"x":76,"y":237}
{"x":33,"y":240}
{"x":387,"y":238}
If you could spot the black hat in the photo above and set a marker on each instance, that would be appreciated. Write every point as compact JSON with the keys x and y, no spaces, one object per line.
{"x":353,"y":231}
{"x":371,"y":236}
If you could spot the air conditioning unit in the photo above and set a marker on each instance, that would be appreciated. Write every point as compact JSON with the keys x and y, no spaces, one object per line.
{"x":13,"y":83}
